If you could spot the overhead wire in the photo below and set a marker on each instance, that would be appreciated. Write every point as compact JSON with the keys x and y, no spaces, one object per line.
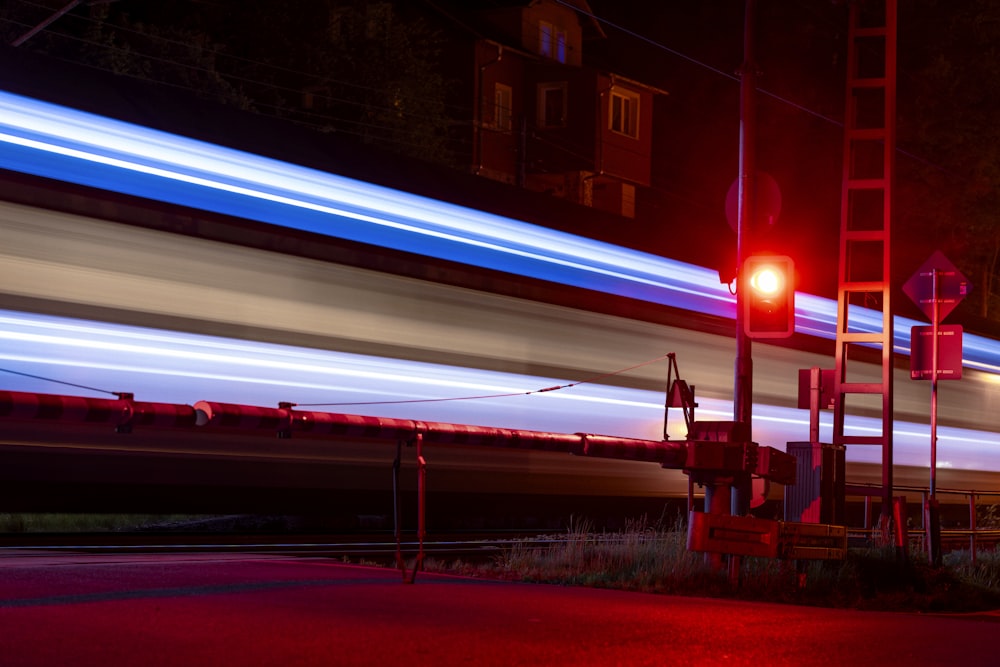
{"x":450,"y":144}
{"x":461,"y":108}
{"x":729,"y":76}
{"x":542,"y":390}
{"x":62,"y":382}
{"x":214,"y":52}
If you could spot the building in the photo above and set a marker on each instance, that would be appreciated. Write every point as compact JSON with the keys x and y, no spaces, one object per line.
{"x":526,"y":105}
{"x":546,"y":121}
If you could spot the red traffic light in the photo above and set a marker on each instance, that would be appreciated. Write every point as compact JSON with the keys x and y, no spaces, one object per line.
{"x":768,"y":296}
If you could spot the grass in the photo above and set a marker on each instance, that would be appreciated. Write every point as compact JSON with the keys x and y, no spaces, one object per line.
{"x":655,"y":559}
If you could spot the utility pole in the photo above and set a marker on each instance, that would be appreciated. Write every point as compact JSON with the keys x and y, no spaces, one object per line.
{"x":743,"y":381}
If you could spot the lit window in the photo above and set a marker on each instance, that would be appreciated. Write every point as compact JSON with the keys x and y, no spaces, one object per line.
{"x":551,"y":41}
{"x":502,"y":105}
{"x":624,"y":115}
{"x":552,"y":105}
{"x":545,"y":30}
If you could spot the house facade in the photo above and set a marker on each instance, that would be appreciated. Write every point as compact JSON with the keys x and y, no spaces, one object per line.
{"x":547,"y":122}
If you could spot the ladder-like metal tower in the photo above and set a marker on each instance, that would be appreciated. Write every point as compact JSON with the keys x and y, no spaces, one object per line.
{"x":865,"y":230}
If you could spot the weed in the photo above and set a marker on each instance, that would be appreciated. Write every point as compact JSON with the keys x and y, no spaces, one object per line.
{"x":656,"y":559}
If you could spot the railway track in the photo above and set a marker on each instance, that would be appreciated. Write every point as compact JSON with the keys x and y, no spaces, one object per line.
{"x":376,"y":547}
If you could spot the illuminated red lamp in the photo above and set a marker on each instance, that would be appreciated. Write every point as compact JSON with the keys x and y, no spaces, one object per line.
{"x":768,"y":296}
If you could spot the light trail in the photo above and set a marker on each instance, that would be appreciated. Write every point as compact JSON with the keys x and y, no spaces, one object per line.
{"x":162,"y":366}
{"x":60,"y":143}
{"x":72,"y":146}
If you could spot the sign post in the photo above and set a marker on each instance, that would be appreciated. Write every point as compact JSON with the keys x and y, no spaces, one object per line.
{"x":936,"y":288}
{"x":935,"y":355}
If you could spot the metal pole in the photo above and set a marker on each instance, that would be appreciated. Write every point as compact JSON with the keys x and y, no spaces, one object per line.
{"x":814,"y":399}
{"x":421,"y":505}
{"x":934,"y":382}
{"x":397,"y":509}
{"x":743,"y":381}
{"x":932,"y":511}
{"x":972,"y":526}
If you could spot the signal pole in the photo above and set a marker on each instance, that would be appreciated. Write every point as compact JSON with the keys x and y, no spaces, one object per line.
{"x":743,"y":381}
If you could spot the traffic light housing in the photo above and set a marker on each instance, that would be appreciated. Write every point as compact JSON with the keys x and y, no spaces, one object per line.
{"x":768,"y":284}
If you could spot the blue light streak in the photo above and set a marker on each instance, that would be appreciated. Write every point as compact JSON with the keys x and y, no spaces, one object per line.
{"x":68,"y":145}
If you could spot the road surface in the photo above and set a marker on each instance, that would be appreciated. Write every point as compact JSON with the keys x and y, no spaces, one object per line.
{"x":247,"y":609}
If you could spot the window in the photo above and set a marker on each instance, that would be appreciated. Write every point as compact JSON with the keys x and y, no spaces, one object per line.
{"x":502,"y":105}
{"x":545,"y":30}
{"x":624,"y":113}
{"x":552,"y":104}
{"x":551,"y":41}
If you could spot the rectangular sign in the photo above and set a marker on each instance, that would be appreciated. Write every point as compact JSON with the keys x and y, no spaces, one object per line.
{"x":727,"y":534}
{"x":764,"y":538}
{"x":949,"y":364}
{"x":812,"y":541}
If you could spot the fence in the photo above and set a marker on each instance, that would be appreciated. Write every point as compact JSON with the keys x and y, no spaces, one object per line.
{"x":969,"y":519}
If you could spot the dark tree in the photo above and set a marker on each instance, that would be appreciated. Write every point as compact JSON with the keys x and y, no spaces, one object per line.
{"x":365,"y":68}
{"x":949,"y":170}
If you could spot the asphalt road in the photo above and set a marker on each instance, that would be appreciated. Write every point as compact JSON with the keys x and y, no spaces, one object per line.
{"x":243,"y":609}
